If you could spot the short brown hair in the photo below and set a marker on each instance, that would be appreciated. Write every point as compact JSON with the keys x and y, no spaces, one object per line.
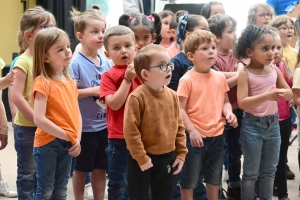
{"x":279,"y":20}
{"x":253,"y":9}
{"x":143,"y":58}
{"x":196,"y":38}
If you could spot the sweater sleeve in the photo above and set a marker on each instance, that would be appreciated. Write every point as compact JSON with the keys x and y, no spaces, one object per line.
{"x":132,"y":134}
{"x":180,"y":142}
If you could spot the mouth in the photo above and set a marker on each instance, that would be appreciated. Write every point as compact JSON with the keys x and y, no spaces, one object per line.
{"x":169,"y":76}
{"x":124,"y":57}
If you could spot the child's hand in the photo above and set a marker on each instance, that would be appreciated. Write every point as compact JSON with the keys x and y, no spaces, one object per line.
{"x":9,"y":79}
{"x":147,"y":165}
{"x":231,"y":119}
{"x":130,"y":72}
{"x":3,"y":141}
{"x":275,"y":94}
{"x":291,"y":103}
{"x":95,"y":91}
{"x":178,"y":163}
{"x":75,"y":149}
{"x":196,"y":138}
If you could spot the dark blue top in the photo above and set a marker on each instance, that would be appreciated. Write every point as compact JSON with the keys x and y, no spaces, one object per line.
{"x":181,"y":66}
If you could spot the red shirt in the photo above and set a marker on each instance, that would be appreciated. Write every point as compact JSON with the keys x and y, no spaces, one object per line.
{"x":110,"y":83}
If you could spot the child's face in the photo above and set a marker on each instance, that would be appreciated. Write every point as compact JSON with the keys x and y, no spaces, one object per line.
{"x":143,"y":37}
{"x":277,"y":50}
{"x":92,"y":36}
{"x":31,"y":36}
{"x":262,"y":17}
{"x":228,"y":38}
{"x":165,"y":28}
{"x":216,"y":9}
{"x":157,"y":77}
{"x":262,"y":52}
{"x":121,"y":49}
{"x":59,"y":53}
{"x":286,"y":32}
{"x":204,"y":57}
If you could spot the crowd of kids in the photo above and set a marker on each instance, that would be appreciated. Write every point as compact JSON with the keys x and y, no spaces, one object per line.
{"x":157,"y":104}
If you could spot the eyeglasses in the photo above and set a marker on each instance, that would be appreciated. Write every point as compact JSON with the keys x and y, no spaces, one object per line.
{"x":47,"y":26}
{"x":164,"y":66}
{"x":204,"y":29}
{"x":264,"y":15}
{"x":286,"y":29}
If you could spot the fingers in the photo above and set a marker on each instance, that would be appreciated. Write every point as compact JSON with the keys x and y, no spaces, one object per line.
{"x":3,"y":141}
{"x":180,"y":164}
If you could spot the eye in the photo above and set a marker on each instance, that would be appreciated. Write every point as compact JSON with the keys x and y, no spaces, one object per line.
{"x":116,"y":48}
{"x":128,"y":45}
{"x":204,"y":48}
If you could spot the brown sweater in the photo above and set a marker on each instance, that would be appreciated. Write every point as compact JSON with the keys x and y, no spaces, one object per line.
{"x":153,"y":124}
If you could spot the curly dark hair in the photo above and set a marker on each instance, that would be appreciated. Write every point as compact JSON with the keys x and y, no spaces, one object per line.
{"x":250,"y":35}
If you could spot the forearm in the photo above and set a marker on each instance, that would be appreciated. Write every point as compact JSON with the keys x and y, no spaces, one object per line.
{"x":83,"y":93}
{"x":3,"y":119}
{"x":12,"y":106}
{"x":3,"y":84}
{"x":229,"y":74}
{"x":50,"y":128}
{"x":227,"y":108}
{"x":80,"y":128}
{"x":23,"y":106}
{"x":232,"y":82}
{"x":189,"y":126}
{"x":119,"y":97}
{"x":288,"y":94}
{"x":252,"y":102}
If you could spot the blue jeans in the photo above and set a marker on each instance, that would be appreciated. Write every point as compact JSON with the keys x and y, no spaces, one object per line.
{"x":53,"y":164}
{"x":117,"y":158}
{"x":260,"y":141}
{"x":26,"y":181}
{"x":234,"y":151}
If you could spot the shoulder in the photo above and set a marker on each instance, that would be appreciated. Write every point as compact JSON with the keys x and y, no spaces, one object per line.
{"x":104,"y":61}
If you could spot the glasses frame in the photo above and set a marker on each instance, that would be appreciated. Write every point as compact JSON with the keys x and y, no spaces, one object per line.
{"x":169,"y":65}
{"x":264,"y":15}
{"x":286,"y":29}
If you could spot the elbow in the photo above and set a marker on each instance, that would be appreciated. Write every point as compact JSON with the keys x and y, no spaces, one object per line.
{"x":114,"y":106}
{"x":242,"y":106}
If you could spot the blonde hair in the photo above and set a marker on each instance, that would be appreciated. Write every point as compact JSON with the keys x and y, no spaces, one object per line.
{"x":43,"y":41}
{"x":279,"y":20}
{"x":29,"y":21}
{"x":196,"y":38}
{"x":143,"y":58}
{"x":253,"y":9}
{"x":81,"y":19}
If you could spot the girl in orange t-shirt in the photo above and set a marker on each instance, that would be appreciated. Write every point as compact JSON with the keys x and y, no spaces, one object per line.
{"x":56,"y":113}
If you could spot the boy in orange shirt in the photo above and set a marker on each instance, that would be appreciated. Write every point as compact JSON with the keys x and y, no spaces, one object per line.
{"x":203,"y":101}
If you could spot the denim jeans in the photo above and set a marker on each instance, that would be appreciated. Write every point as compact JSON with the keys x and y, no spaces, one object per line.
{"x":26,"y":181}
{"x":260,"y":141}
{"x":117,"y":159}
{"x":53,"y":164}
{"x":234,"y":151}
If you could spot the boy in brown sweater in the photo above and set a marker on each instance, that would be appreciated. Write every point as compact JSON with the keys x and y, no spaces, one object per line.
{"x":153,"y":128}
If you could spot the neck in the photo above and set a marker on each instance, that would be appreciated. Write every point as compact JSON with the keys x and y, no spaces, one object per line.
{"x":29,"y":51}
{"x":165,"y":42}
{"x":202,"y":71}
{"x":153,"y":86}
{"x":223,"y":51}
{"x":285,"y":44}
{"x":90,"y":53}
{"x":57,"y":74}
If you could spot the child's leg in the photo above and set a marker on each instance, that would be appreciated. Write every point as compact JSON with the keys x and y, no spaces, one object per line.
{"x":212,"y":192}
{"x":162,"y":175}
{"x":269,"y":158}
{"x":251,"y":140}
{"x":26,"y":181}
{"x":117,"y":159}
{"x":138,"y":180}
{"x":78,"y":184}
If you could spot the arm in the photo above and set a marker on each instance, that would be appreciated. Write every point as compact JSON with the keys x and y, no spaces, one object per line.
{"x":88,"y":92}
{"x":227,"y":112}
{"x":40,"y":120}
{"x":281,"y":83}
{"x":7,"y":80}
{"x":3,"y":125}
{"x":12,"y":106}
{"x":130,"y":6}
{"x":17,"y":94}
{"x":296,"y":96}
{"x":76,"y":148}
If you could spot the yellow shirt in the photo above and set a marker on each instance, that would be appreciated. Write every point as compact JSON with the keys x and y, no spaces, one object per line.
{"x":291,"y":55}
{"x":25,"y":63}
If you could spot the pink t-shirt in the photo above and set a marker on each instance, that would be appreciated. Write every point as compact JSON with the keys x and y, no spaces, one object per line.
{"x":172,"y":50}
{"x":205,"y":93}
{"x":259,"y":84}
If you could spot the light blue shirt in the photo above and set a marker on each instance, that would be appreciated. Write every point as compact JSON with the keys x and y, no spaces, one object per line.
{"x":87,"y":74}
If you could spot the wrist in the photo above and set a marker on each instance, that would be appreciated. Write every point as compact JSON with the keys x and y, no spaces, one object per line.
{"x":127,"y":79}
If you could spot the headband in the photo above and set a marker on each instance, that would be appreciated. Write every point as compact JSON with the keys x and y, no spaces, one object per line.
{"x":182,"y":22}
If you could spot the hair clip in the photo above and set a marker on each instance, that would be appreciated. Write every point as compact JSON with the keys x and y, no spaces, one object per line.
{"x":150,"y":17}
{"x":131,"y":19}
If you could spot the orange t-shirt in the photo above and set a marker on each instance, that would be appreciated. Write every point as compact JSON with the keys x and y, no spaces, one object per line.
{"x":62,"y":108}
{"x":205,"y":93}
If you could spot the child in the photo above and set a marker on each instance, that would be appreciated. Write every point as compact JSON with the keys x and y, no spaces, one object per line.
{"x":280,"y":184}
{"x":32,"y":21}
{"x":150,"y":161}
{"x":186,"y":24}
{"x":56,"y":114}
{"x":167,"y":40}
{"x":116,"y":85}
{"x":146,"y":28}
{"x":257,"y":96}
{"x":87,"y":68}
{"x":224,"y":28}
{"x":285,"y":26}
{"x":212,"y":8}
{"x":203,"y":86}
{"x":260,"y":14}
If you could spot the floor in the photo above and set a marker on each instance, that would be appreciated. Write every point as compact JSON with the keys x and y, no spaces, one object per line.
{"x":9,"y":168}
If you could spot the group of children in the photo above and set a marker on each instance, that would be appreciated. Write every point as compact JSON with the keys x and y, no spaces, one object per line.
{"x":158,"y":117}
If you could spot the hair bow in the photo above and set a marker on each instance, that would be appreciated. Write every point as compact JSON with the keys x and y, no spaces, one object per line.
{"x":131,"y":19}
{"x":182,"y":21}
{"x":150,"y":17}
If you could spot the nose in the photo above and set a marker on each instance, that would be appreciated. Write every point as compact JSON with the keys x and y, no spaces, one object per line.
{"x":141,"y":43}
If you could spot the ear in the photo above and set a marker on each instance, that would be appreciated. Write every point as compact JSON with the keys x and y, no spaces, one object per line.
{"x":218,"y":39}
{"x":249,"y":52}
{"x":79,"y":36}
{"x":190,"y":56}
{"x":46,"y":59}
{"x":107,"y":54}
{"x":28,"y":35}
{"x":154,"y":36}
{"x":144,"y":74}
{"x":187,"y":34}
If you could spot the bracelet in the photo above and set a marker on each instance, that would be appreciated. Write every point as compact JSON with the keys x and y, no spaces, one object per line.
{"x":127,"y":79}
